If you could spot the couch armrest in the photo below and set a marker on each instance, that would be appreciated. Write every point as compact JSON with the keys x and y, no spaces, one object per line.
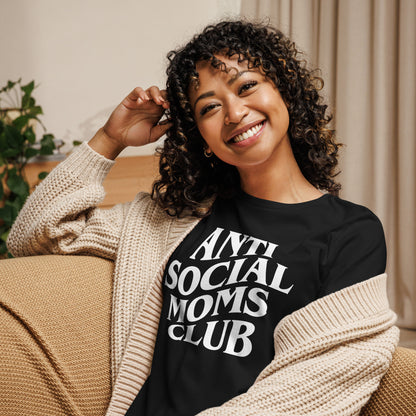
{"x":396,"y":395}
{"x":55,"y":314}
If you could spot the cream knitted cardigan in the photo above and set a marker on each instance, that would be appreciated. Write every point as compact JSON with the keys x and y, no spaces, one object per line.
{"x":329,"y":355}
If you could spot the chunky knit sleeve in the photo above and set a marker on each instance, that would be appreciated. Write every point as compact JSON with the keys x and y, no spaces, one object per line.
{"x":60,"y":216}
{"x":330,"y":357}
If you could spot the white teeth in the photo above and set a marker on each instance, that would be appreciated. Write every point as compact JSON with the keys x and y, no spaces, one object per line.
{"x":247,"y":134}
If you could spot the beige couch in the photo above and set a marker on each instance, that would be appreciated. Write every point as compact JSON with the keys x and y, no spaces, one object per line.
{"x":55,"y":342}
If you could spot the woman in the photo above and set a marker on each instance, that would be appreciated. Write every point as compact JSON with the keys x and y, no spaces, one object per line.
{"x":243,"y":284}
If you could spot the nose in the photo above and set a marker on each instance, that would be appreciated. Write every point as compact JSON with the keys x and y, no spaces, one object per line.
{"x":235,"y":111}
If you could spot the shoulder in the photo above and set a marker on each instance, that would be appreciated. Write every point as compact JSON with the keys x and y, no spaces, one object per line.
{"x":356,"y":247}
{"x":347,"y":215}
{"x":356,"y":233}
{"x":144,"y":209}
{"x":348,"y":208}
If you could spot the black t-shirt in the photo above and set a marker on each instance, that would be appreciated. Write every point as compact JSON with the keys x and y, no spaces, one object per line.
{"x":234,"y":277}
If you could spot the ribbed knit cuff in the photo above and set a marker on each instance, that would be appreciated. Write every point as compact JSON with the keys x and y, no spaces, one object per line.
{"x":87,"y":164}
{"x":364,"y":302}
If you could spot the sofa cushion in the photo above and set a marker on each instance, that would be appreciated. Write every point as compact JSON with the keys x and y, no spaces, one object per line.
{"x":55,"y":314}
{"x":396,"y":395}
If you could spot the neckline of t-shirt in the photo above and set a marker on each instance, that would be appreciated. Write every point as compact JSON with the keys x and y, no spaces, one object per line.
{"x":266,"y":203}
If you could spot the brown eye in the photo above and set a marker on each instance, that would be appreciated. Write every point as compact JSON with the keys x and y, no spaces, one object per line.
{"x":207,"y":108}
{"x":246,"y":86}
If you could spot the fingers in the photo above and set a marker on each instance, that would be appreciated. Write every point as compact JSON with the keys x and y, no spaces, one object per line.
{"x":157,"y":95}
{"x":151,"y":94}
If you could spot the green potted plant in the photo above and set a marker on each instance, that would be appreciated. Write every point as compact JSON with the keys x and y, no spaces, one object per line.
{"x":19,"y":115}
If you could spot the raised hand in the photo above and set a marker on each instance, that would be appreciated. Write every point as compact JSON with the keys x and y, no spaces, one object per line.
{"x":134,"y":122}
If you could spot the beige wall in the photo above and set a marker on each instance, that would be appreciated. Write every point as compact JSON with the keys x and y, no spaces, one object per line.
{"x":87,"y":54}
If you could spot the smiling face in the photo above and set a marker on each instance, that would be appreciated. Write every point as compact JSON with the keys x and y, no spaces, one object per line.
{"x":240,"y":114}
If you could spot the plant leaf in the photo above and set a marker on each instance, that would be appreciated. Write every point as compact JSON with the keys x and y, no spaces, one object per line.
{"x":35,"y":110}
{"x":5,"y":234}
{"x":3,"y":247}
{"x":19,"y":201}
{"x":3,"y":141}
{"x":30,"y":135}
{"x":20,"y":121}
{"x":28,"y":88}
{"x":10,"y":85}
{"x":17,"y":185}
{"x":16,"y":204}
{"x":31,"y":152}
{"x":9,"y":153}
{"x":47,"y":144}
{"x":28,"y":101}
{"x":8,"y":214}
{"x":43,"y":175}
{"x":13,"y":136}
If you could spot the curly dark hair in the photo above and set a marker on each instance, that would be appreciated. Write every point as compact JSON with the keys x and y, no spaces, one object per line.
{"x":187,"y":177}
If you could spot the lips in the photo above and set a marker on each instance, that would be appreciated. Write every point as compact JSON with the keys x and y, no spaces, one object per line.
{"x":246,"y":132}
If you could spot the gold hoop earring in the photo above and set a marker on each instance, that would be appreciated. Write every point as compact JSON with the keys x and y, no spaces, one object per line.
{"x":207,"y":154}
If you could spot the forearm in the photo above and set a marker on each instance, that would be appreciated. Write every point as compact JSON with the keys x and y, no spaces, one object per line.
{"x":61,"y":215}
{"x":338,"y":382}
{"x":330,"y":357}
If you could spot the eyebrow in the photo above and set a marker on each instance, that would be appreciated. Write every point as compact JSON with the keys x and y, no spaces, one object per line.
{"x":204,"y":95}
{"x":229,"y":82}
